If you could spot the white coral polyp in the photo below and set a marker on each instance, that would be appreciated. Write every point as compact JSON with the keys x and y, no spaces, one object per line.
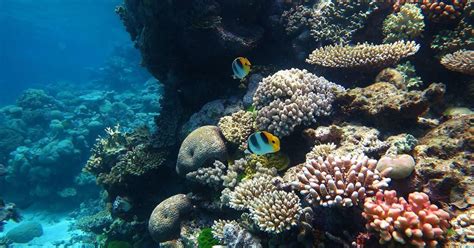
{"x":339,"y":182}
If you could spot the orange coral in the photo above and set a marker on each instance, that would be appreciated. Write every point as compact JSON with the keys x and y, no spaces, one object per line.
{"x":437,"y":10}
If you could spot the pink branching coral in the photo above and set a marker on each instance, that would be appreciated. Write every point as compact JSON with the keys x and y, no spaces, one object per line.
{"x":339,"y":182}
{"x":417,"y":222}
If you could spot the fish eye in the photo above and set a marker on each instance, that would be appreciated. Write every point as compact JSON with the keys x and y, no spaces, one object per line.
{"x":273,"y":141}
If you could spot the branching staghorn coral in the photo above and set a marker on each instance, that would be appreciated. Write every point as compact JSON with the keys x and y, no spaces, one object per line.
{"x":416,"y":222}
{"x":237,"y":127}
{"x":322,"y":150}
{"x":362,"y":55}
{"x":339,"y":182}
{"x":460,"y":61}
{"x":290,"y":98}
{"x":276,"y":211}
{"x":248,"y":190}
{"x":404,"y":25}
{"x":211,"y":176}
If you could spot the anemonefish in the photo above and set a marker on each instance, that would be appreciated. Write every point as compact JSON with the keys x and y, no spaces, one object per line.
{"x":261,"y":143}
{"x":241,"y":67}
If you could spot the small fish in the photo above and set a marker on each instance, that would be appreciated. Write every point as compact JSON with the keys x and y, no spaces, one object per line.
{"x":261,"y":143}
{"x":241,"y":67}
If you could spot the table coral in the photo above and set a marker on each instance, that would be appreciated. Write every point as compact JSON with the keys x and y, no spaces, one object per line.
{"x":460,"y":61}
{"x":276,"y":211}
{"x":416,"y":222}
{"x":364,"y":55}
{"x":405,"y":25}
{"x":238,"y":127}
{"x":338,"y":181}
{"x":290,"y":98}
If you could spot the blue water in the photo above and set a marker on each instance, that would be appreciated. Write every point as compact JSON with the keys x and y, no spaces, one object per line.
{"x":49,"y":40}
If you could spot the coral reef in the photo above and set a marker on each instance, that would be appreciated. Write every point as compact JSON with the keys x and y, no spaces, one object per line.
{"x":290,"y":98}
{"x":203,"y":145}
{"x":451,"y":40}
{"x":236,"y":236}
{"x":218,"y":228}
{"x":416,"y":222}
{"x":339,"y":182}
{"x":412,"y":80}
{"x":165,"y":220}
{"x":384,"y":102}
{"x":25,"y":232}
{"x":276,"y":211}
{"x":407,"y":24}
{"x":205,"y":239}
{"x":460,"y":61}
{"x":439,"y":11}
{"x":365,"y":55}
{"x":444,"y":160}
{"x":237,"y":127}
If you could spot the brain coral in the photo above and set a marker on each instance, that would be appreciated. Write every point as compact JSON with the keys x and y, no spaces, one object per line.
{"x":165,"y":219}
{"x":460,"y":61}
{"x":339,"y":182}
{"x":404,"y":25}
{"x":416,"y":222}
{"x":203,"y":145}
{"x":290,"y":98}
{"x":362,"y":55}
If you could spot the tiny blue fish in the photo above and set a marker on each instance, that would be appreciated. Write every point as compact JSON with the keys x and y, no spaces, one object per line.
{"x":241,"y":67}
{"x":262,"y":143}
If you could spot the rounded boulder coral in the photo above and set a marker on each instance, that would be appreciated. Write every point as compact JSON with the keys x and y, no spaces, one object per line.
{"x":165,"y":220}
{"x":203,"y":145}
{"x":290,"y":98}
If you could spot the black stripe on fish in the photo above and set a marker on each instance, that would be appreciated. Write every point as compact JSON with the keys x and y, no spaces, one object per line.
{"x":254,"y":142}
{"x":263,"y":137}
{"x":239,"y":63}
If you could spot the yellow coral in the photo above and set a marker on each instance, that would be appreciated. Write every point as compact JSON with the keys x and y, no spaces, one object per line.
{"x":279,"y":161}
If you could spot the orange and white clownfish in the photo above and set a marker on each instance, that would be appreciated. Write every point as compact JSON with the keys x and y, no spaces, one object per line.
{"x":241,"y":67}
{"x":261,"y":143}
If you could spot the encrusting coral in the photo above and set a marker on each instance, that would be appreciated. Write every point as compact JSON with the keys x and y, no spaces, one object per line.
{"x":203,"y":145}
{"x":405,"y":25}
{"x":276,"y":211}
{"x":416,"y":222}
{"x":460,"y":61}
{"x":463,"y":225}
{"x":339,"y":182}
{"x":237,"y":127}
{"x":290,"y":98}
{"x":364,"y":55}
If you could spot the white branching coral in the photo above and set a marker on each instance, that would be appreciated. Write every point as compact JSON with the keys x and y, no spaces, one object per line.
{"x":218,"y":228}
{"x":460,"y":61}
{"x":363,"y":55}
{"x":339,"y":182}
{"x":211,"y":176}
{"x":290,"y":98}
{"x":404,"y":25}
{"x":248,"y":190}
{"x":276,"y":211}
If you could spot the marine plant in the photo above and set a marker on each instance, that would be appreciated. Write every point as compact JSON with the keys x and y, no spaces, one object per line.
{"x":205,"y":238}
{"x":119,"y":244}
